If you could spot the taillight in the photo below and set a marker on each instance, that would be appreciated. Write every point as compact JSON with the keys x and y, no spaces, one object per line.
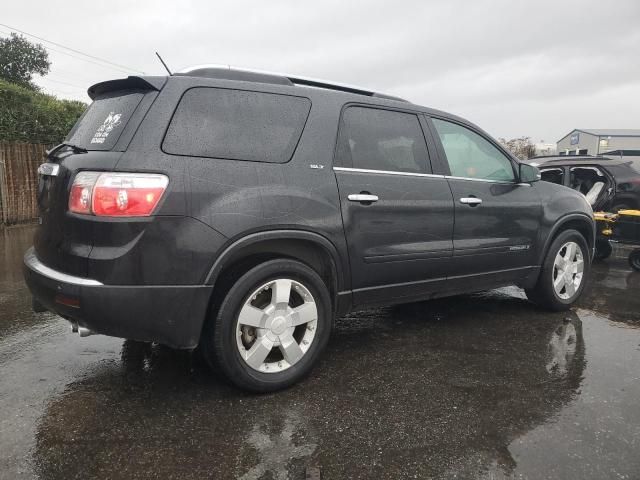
{"x":81,"y":192}
{"x":117,"y":194}
{"x":128,"y":194}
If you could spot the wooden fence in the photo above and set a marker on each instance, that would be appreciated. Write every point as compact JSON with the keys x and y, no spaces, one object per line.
{"x":19,"y":181}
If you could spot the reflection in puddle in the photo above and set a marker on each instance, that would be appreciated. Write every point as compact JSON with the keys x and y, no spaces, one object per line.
{"x":562,"y":347}
{"x":427,"y":390}
{"x":276,"y":451}
{"x":597,"y":435}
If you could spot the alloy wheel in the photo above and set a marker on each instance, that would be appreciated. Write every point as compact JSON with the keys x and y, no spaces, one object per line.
{"x":276,"y":325}
{"x":568,"y":270}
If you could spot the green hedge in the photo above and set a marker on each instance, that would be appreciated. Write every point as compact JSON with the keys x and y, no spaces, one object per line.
{"x":33,"y":117}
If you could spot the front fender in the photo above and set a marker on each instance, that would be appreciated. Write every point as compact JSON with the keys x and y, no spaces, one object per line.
{"x":563,"y":208}
{"x":570,"y":221}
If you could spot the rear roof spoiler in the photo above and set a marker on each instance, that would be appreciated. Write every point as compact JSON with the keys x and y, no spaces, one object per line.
{"x":129,"y":83}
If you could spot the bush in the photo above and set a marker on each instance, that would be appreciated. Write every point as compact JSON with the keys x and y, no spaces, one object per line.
{"x":34,"y":117}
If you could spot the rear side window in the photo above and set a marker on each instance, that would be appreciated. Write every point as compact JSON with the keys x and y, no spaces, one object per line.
{"x":376,"y":139}
{"x":236,"y":125}
{"x":102,"y":124}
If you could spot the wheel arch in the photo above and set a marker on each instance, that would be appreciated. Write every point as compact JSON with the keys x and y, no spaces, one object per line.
{"x":310,"y":248}
{"x":576,"y":221}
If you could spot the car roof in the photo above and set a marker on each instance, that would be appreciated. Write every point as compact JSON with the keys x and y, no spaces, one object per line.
{"x":287,"y":81}
{"x":227,"y":75}
{"x":227,"y":72}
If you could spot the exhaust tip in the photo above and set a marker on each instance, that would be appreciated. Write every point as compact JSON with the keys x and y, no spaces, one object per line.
{"x":74,"y":327}
{"x":84,"y":332}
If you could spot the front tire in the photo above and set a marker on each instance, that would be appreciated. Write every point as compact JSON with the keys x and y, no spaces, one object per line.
{"x":564,"y":272}
{"x":271,"y":327}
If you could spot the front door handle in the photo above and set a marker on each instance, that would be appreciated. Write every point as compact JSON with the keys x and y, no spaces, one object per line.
{"x":363,"y":197}
{"x":471,"y":201}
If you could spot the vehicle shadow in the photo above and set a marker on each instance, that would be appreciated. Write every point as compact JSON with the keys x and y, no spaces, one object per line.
{"x":434,"y":389}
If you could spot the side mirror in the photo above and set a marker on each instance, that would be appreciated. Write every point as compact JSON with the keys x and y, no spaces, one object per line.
{"x":529,"y":173}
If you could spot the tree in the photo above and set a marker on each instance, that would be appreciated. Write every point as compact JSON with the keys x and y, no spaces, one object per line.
{"x":33,"y":117}
{"x":20,"y":60}
{"x":521,"y":147}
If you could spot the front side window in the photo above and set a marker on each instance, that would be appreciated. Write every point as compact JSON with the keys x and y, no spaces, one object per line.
{"x":375,"y":139}
{"x":471,"y":156}
{"x":237,"y":125}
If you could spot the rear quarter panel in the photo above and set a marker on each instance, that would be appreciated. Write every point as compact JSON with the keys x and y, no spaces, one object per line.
{"x":236,"y":198}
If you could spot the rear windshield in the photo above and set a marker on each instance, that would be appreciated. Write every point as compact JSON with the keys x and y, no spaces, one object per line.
{"x":105,"y":119}
{"x":236,"y":125}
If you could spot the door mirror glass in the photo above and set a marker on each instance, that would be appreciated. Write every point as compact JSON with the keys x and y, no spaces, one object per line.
{"x":529,"y":173}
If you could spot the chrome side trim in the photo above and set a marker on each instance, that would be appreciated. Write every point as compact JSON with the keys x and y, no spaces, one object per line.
{"x":386,"y":172}
{"x":428,"y":175}
{"x":50,"y":169}
{"x":451,"y":177}
{"x":31,"y":261}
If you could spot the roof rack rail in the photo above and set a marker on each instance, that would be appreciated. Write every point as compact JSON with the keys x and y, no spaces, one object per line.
{"x":228,"y":72}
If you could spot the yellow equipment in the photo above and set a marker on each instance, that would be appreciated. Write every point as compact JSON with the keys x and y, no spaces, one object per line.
{"x":622,"y":227}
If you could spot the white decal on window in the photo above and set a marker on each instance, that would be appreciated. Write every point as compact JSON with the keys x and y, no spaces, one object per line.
{"x":103,"y":131}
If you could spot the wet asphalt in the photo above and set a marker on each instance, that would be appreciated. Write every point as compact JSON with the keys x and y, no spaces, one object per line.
{"x":478,"y":386}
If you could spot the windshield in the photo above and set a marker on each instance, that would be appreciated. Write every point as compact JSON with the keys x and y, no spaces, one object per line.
{"x":102,"y":124}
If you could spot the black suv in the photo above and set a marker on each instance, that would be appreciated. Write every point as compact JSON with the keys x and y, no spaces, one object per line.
{"x":609,"y":183}
{"x":241,"y":212}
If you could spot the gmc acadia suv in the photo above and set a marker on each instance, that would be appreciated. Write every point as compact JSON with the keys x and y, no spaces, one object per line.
{"x":241,"y":212}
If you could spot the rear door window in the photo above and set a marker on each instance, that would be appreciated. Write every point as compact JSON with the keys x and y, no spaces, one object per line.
{"x":384,"y":140}
{"x":104,"y":121}
{"x":236,"y":125}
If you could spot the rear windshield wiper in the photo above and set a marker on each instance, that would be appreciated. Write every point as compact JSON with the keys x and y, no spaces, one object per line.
{"x":74,"y":148}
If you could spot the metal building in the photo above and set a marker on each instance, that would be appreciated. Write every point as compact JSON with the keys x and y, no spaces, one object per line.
{"x":584,"y":141}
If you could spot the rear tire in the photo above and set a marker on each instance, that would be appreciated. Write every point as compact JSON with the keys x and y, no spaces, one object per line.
{"x":564,"y":272}
{"x":271,"y":327}
{"x":603,"y":249}
{"x":634,"y":260}
{"x":620,"y":206}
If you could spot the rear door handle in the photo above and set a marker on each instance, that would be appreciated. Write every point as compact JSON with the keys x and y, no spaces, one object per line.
{"x":362,"y":197}
{"x":472,"y":201}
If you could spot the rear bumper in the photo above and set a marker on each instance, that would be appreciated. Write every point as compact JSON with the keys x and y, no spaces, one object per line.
{"x":168,"y":314}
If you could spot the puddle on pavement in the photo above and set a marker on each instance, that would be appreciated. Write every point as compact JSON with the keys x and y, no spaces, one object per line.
{"x":483,"y":386}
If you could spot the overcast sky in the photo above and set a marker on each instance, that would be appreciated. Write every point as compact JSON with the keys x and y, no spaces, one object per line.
{"x":538,"y":68}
